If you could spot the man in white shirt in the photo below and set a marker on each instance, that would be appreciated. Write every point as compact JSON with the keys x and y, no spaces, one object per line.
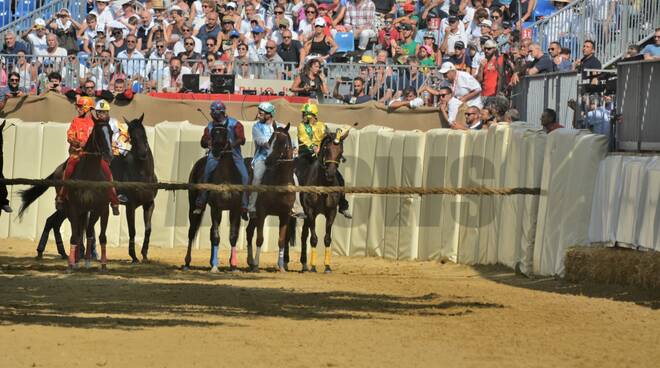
{"x":448,"y":106}
{"x":466,"y":88}
{"x":179,"y":46}
{"x":452,"y":34}
{"x":57,"y":54}
{"x":408,"y":99}
{"x":103,"y":13}
{"x":37,"y":37}
{"x":283,"y":25}
{"x":172,"y":76}
{"x":132,"y":61}
{"x":157,"y":62}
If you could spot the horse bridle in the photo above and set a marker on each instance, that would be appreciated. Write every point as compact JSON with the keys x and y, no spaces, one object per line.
{"x":287,"y":148}
{"x":322,"y":151}
{"x":227,"y":144}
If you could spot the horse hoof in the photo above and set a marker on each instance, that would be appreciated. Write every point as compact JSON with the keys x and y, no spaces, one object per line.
{"x":88,"y":264}
{"x":64,"y":256}
{"x":254,"y":268}
{"x":214,"y":269}
{"x":135,"y":261}
{"x":313,"y":269}
{"x":70,"y":269}
{"x":233,"y":269}
{"x":39,"y":256}
{"x":104,"y":267}
{"x":185,"y":268}
{"x":281,"y":269}
{"x":145,"y":260}
{"x":304,"y":268}
{"x":286,"y":267}
{"x":328,"y":269}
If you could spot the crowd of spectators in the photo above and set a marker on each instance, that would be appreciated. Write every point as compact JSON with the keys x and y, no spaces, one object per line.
{"x":410,"y":53}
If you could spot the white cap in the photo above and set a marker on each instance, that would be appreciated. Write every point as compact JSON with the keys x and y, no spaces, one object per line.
{"x":100,"y":28}
{"x":319,"y":22}
{"x":446,"y":66}
{"x":175,"y":7}
{"x":490,"y":44}
{"x":115,"y":24}
{"x":40,"y":22}
{"x":231,"y":4}
{"x":486,"y":22}
{"x":102,"y":1}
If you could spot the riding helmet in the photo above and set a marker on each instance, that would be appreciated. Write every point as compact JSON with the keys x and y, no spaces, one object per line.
{"x":310,"y":109}
{"x":218,"y":106}
{"x":87,"y":103}
{"x":267,"y":107}
{"x":102,"y":105}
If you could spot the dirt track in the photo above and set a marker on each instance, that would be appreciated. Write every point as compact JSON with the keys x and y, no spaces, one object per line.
{"x":369,"y":312}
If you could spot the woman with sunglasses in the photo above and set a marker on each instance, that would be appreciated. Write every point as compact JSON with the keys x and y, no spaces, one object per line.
{"x":27,"y":71}
{"x":311,"y":81}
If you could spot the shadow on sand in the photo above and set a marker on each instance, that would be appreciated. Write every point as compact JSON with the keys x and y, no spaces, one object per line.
{"x":157,"y":295}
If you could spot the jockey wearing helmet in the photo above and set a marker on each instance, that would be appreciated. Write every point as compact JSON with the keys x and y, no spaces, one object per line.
{"x":121,"y":146}
{"x":77,"y":136}
{"x":310,"y":135}
{"x":262,"y":130}
{"x":236,"y":135}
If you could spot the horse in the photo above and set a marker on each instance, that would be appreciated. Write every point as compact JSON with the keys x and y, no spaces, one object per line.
{"x":280,"y":169}
{"x":137,"y":166}
{"x":322,"y":172}
{"x":227,"y":173}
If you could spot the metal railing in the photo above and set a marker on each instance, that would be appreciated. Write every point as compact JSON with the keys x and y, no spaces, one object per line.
{"x":27,"y":14}
{"x":638,"y":88}
{"x":151,"y":74}
{"x":613,"y":25}
{"x":551,"y":90}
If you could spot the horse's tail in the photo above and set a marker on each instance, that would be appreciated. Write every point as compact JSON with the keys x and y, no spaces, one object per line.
{"x":28,"y":196}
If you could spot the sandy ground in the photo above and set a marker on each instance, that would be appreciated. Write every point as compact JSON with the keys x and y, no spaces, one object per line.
{"x":368,"y":313}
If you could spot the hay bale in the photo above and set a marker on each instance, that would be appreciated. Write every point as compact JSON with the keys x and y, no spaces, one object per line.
{"x":619,"y":266}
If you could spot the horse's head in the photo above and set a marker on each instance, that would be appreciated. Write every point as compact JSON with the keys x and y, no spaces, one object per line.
{"x":280,"y":141}
{"x":331,"y":152}
{"x":138,"y":135}
{"x":220,"y":140}
{"x":99,"y":141}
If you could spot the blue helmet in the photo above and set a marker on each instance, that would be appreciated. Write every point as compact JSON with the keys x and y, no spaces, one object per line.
{"x":218,"y":106}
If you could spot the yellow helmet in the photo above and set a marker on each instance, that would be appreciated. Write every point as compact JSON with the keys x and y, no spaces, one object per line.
{"x":310,"y":109}
{"x":102,"y":105}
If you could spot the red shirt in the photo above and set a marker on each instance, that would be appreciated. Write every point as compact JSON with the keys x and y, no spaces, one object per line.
{"x":553,"y":126}
{"x":79,"y":131}
{"x":490,"y":76}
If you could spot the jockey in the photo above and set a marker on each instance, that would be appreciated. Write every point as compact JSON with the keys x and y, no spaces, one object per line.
{"x":236,"y":135}
{"x":121,"y":146}
{"x":310,"y":136}
{"x":77,"y":135}
{"x":262,"y":130}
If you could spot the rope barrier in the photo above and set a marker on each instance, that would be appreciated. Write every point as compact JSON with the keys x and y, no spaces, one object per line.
{"x":270,"y":188}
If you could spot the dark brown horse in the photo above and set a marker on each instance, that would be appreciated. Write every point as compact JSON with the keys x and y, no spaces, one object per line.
{"x":279,"y":171}
{"x":322,"y":172}
{"x":225,"y":173}
{"x":138,"y":166}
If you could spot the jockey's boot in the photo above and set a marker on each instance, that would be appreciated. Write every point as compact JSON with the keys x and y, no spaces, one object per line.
{"x":7,"y":208}
{"x":115,"y":210}
{"x":244,"y":214}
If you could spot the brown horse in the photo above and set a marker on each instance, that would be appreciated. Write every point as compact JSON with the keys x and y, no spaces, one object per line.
{"x":137,"y":165}
{"x":225,"y":173}
{"x":322,"y":172}
{"x":279,"y":171}
{"x":87,"y":205}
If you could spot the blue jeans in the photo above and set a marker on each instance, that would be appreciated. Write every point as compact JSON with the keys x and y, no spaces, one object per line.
{"x":211,"y":165}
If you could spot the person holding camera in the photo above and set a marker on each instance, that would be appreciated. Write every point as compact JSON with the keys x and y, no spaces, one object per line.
{"x":36,"y":36}
{"x":13,"y":89}
{"x":66,"y":29}
{"x":357,"y":97}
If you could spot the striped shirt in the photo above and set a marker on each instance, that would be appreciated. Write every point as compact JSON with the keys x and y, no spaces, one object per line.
{"x":360,"y":14}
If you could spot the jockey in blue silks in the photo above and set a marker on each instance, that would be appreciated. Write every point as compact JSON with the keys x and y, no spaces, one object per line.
{"x":236,"y":135}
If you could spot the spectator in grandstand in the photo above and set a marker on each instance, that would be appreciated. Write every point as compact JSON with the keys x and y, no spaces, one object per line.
{"x":388,"y":34}
{"x":157,"y":62}
{"x":588,"y":60}
{"x":632,"y":53}
{"x":56,"y":53}
{"x":65,"y":28}
{"x":512,"y":116}
{"x":172,"y":77}
{"x":526,"y":11}
{"x":565,"y":64}
{"x":447,"y":107}
{"x":73,"y":71}
{"x":273,"y":21}
{"x":12,"y":47}
{"x":133,"y":63}
{"x":27,"y":71}
{"x":54,"y":84}
{"x":652,"y":51}
{"x":257,"y":43}
{"x":12,"y":89}
{"x":407,"y":46}
{"x":252,"y":19}
{"x":307,"y":24}
{"x":103,"y":70}
{"x":542,"y":62}
{"x":496,"y":72}
{"x":128,"y":12}
{"x":360,"y":19}
{"x":357,"y":97}
{"x":36,"y":36}
{"x":473,"y":120}
{"x":290,"y":50}
{"x":145,"y":25}
{"x":190,"y":58}
{"x":180,"y":45}
{"x":311,"y":81}
{"x":549,"y":120}
{"x":466,"y":88}
{"x":283,"y":26}
{"x":88,"y":31}
{"x":103,"y":13}
{"x":210,"y":46}
{"x":271,"y":67}
{"x":412,"y":76}
{"x":487,"y":116}
{"x":225,"y":37}
{"x":385,"y":7}
{"x":408,"y":99}
{"x":198,"y":11}
{"x":117,"y":42}
{"x":425,"y":56}
{"x":320,"y":45}
{"x":460,"y":58}
{"x":174,"y":31}
{"x":121,"y":94}
{"x":473,"y":31}
{"x":450,"y":35}
{"x":210,"y":29}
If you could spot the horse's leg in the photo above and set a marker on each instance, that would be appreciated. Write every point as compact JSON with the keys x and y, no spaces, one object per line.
{"x":194,"y":221}
{"x":216,"y":217}
{"x":91,"y":239}
{"x":148,"y":211}
{"x":303,"y":242}
{"x":84,"y":220}
{"x":57,"y":220}
{"x":103,"y":240}
{"x":313,"y":240}
{"x":261,"y":218}
{"x":282,"y":241}
{"x":76,"y":237}
{"x":234,"y":227}
{"x":130,"y":220}
{"x":249,"y":233}
{"x":93,"y":218}
{"x":329,"y":220}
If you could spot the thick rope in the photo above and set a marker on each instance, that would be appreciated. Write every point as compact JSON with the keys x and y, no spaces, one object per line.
{"x":271,"y":188}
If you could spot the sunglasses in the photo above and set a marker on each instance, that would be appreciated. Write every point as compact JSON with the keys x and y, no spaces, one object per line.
{"x":494,"y":17}
{"x":279,"y":12}
{"x":310,"y":12}
{"x":218,"y":70}
{"x":204,"y":6}
{"x":89,"y":87}
{"x":161,"y":46}
{"x":489,"y":48}
{"x":286,"y":37}
{"x":242,"y":48}
{"x":470,"y":113}
{"x":190,"y":44}
{"x":270,"y":47}
{"x":186,"y":30}
{"x":131,"y":41}
{"x":14,"y":80}
{"x":444,"y":94}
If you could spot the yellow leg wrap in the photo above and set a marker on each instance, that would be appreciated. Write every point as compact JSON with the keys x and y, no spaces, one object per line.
{"x":312,"y":257}
{"x":328,"y":253}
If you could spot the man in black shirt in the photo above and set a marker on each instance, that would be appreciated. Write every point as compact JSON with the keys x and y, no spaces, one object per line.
{"x":358,"y":96}
{"x":589,"y":60}
{"x":384,"y":6}
{"x":542,"y":62}
{"x":289,"y":49}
